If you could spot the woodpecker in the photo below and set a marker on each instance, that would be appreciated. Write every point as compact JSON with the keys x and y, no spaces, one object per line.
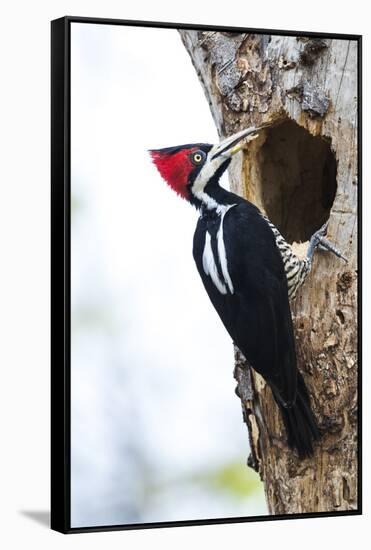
{"x":249,"y":272}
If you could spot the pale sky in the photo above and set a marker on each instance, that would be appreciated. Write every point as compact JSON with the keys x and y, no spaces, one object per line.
{"x":151,"y":362}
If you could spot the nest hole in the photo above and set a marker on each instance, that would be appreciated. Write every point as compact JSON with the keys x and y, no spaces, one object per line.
{"x":298,"y":180}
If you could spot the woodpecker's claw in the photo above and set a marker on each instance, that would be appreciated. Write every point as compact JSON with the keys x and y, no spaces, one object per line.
{"x":324,"y":244}
{"x":319,"y":240}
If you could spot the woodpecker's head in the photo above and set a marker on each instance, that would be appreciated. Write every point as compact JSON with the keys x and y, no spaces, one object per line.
{"x":193,"y":170}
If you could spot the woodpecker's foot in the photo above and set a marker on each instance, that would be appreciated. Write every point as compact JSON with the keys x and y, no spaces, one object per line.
{"x":324,"y":244}
{"x":318,"y":240}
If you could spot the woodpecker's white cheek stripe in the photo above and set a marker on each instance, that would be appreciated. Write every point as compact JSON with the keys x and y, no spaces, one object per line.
{"x":222,"y":252}
{"x":209,"y":265}
{"x":203,"y":178}
{"x":209,"y":202}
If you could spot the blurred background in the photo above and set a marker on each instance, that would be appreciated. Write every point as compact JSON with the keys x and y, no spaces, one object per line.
{"x":157,"y":431}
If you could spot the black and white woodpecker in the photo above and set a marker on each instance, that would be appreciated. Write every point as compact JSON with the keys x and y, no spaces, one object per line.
{"x":249,"y":272}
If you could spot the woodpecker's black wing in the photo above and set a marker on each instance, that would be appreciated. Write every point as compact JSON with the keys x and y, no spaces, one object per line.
{"x":257,"y":313}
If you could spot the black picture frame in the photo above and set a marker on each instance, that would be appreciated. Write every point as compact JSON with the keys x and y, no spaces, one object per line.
{"x":60,"y":272}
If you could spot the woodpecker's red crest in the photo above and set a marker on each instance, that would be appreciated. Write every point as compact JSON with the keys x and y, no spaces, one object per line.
{"x":190,"y":169}
{"x":175,"y":165}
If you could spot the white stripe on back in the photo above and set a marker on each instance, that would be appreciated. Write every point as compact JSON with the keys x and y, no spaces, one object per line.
{"x":222,"y":252}
{"x":209,"y":265}
{"x":208,"y":261}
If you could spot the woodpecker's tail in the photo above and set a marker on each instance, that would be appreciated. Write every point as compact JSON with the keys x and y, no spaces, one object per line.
{"x":300,"y":423}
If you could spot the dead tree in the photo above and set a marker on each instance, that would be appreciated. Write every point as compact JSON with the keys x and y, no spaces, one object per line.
{"x":301,"y":171}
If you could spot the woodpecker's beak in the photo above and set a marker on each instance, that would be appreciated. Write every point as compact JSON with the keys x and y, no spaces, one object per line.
{"x":231,"y":145}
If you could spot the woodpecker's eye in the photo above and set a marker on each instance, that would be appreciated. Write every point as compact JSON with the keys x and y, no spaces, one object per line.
{"x":198,"y":157}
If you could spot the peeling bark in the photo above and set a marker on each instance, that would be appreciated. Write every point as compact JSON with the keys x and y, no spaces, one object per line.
{"x":301,"y":171}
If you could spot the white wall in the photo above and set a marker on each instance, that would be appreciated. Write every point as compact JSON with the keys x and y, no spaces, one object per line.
{"x":24,"y":300}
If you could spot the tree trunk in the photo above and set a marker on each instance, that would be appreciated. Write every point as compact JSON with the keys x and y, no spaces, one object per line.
{"x":301,"y":171}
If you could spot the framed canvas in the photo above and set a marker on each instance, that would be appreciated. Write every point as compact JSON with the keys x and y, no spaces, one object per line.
{"x":205,"y":274}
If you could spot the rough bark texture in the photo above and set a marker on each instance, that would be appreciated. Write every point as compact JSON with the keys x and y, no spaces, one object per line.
{"x":301,"y":171}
